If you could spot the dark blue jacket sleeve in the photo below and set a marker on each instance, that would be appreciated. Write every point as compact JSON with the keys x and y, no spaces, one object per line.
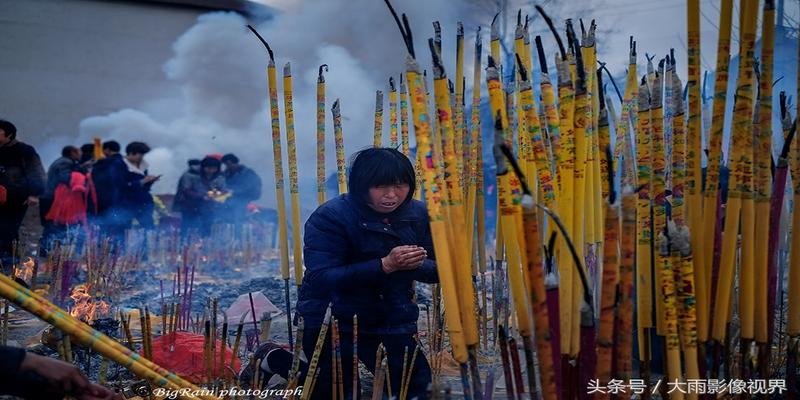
{"x":10,"y":359}
{"x":325,"y":251}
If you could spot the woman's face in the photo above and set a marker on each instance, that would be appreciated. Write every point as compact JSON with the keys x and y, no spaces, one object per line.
{"x":387,"y":198}
{"x":210,"y":170}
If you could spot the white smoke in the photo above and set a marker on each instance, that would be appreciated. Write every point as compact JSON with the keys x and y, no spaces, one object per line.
{"x":221,"y":70}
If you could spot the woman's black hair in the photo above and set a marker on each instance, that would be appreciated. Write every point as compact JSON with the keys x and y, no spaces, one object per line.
{"x":380,"y":166}
{"x":137,"y":148}
{"x":211,"y":162}
{"x":8,"y":129}
{"x":66,"y":151}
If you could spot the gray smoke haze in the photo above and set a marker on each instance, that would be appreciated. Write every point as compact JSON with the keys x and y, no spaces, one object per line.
{"x":221,"y":70}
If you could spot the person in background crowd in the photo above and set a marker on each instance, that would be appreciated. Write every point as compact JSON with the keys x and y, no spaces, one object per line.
{"x":199,"y":208}
{"x":192,"y":171}
{"x":87,"y":154}
{"x":32,"y":376}
{"x":244,"y":185}
{"x":59,"y":172}
{"x":137,"y":200}
{"x":22,"y":181}
{"x":108,"y":176}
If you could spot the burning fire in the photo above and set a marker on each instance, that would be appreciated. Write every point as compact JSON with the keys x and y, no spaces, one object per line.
{"x":86,"y":307}
{"x":25,"y":270}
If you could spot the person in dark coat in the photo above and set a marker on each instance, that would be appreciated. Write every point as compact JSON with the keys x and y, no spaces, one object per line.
{"x":180,"y":197}
{"x":32,"y":376}
{"x":87,"y":155}
{"x":137,"y":201}
{"x":108,"y":175}
{"x":244,"y":184}
{"x":59,"y":172}
{"x":22,"y":181}
{"x":363,"y":251}
{"x":199,"y":210}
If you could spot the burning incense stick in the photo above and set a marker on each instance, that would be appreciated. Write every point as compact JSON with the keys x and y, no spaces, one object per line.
{"x":294,"y":190}
{"x":237,"y":341}
{"x":709,"y":211}
{"x":255,"y":323}
{"x":312,"y":365}
{"x":356,"y":377}
{"x":504,"y":353}
{"x":378,"y":382}
{"x":393,"y":139}
{"x":279,"y":182}
{"x":341,"y":163}
{"x":378,"y":131}
{"x":763,"y":158}
{"x":404,"y":143}
{"x":321,"y":177}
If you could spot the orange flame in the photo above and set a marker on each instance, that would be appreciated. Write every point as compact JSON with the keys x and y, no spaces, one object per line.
{"x":86,"y":307}
{"x":25,"y":270}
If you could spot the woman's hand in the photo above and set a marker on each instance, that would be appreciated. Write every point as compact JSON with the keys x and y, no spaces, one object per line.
{"x":403,"y":258}
{"x":64,"y":377}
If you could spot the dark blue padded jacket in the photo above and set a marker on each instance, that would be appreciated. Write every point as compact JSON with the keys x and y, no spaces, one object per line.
{"x":344,"y":243}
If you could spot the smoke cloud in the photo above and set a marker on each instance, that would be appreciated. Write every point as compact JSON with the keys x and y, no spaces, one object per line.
{"x":222,"y":106}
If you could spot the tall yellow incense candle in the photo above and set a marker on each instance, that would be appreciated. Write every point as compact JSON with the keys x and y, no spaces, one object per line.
{"x":553,"y":123}
{"x":321,"y":137}
{"x":605,"y":335}
{"x":458,"y":110}
{"x":494,"y":43}
{"x":283,"y":240}
{"x":566,"y":105}
{"x":471,"y":163}
{"x":659,"y":186}
{"x":434,"y":200}
{"x":338,"y":137}
{"x":524,"y":149}
{"x":714,"y":161}
{"x":494,"y":51}
{"x":404,"y":145}
{"x":538,"y":299}
{"x":534,"y":136}
{"x":455,"y":206}
{"x":665,"y":276}
{"x":644,"y":230}
{"x":696,"y":208}
{"x":624,"y":344}
{"x":378,"y":132}
{"x":509,"y":209}
{"x":740,"y":160}
{"x":582,"y":121}
{"x":763,"y":153}
{"x":594,"y":227}
{"x":392,"y":114}
{"x":681,"y":249}
{"x":294,"y":189}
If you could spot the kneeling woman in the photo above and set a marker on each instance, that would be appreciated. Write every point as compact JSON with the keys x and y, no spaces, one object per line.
{"x":363,"y":251}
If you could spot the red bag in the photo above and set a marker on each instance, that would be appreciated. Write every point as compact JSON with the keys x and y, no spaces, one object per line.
{"x":186,"y":357}
{"x":69,"y":202}
{"x":3,"y":195}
